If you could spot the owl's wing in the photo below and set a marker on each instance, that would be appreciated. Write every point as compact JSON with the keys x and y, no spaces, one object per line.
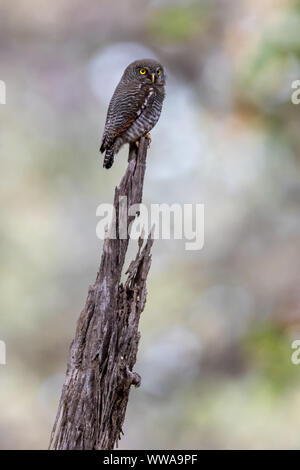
{"x":127,"y":103}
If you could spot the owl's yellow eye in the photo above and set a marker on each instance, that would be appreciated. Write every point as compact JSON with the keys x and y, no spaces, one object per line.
{"x":159,"y":72}
{"x":143,"y":71}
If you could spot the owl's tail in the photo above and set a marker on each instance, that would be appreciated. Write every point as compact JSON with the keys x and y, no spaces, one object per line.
{"x":111,"y":152}
{"x":109,"y":158}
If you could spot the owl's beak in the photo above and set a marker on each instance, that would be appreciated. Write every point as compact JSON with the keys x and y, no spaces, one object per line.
{"x":153,"y":77}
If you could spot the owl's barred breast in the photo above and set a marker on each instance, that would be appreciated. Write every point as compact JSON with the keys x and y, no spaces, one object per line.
{"x":135,"y":107}
{"x":147,"y":118}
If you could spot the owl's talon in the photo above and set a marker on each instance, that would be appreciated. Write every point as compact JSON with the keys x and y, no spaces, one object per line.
{"x":137,"y":143}
{"x":148,"y":136}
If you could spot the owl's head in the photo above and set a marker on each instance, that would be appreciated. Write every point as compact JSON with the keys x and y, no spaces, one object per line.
{"x":146,"y":71}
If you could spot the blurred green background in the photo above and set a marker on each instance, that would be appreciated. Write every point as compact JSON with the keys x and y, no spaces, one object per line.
{"x":215,"y":353}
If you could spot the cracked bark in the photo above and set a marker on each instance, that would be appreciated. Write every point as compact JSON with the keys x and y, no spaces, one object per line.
{"x":103,"y":353}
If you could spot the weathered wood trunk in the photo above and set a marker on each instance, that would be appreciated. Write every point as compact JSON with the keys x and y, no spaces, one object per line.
{"x":103,"y":353}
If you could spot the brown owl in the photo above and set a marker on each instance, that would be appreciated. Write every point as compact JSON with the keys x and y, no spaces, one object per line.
{"x":135,"y":106}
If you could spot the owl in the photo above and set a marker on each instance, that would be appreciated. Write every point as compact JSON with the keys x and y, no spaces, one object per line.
{"x":135,"y":106}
